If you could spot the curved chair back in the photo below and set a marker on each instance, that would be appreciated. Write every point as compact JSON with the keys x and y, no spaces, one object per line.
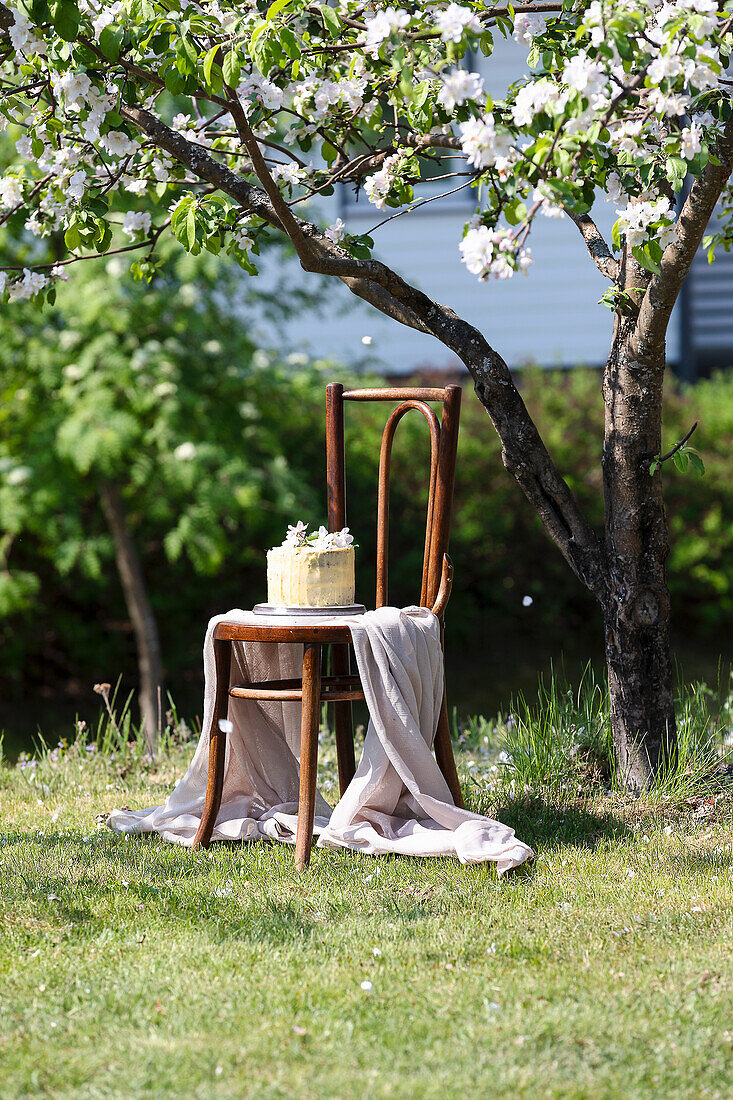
{"x":436,"y":570}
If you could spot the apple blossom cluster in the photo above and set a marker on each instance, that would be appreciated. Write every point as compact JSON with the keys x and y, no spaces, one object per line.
{"x":298,"y":538}
{"x":624,"y":98}
{"x":494,"y":253}
{"x":642,"y":220}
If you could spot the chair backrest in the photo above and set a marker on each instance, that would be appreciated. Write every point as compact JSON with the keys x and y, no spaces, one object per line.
{"x":443,"y":445}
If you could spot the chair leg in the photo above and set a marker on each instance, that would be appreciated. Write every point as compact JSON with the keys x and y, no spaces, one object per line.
{"x":343,"y":721}
{"x":444,"y":754}
{"x":310,"y":715}
{"x":217,"y":745}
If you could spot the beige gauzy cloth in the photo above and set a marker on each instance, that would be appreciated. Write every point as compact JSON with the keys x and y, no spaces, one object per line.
{"x":398,"y":800}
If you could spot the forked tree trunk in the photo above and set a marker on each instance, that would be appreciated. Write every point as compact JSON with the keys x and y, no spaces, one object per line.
{"x":140,"y":611}
{"x":636,"y":604}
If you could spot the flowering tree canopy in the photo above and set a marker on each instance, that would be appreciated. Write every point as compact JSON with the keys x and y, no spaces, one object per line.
{"x":217,"y":123}
{"x":141,"y":118}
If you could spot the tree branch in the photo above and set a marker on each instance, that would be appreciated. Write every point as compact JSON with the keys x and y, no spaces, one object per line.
{"x":599,"y":251}
{"x":523,"y":452}
{"x":661,"y":294}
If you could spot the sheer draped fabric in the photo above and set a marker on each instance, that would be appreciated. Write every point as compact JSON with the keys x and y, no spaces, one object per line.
{"x":398,"y":800}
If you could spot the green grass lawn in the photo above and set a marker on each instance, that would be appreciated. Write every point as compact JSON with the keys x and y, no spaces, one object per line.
{"x":134,"y":968}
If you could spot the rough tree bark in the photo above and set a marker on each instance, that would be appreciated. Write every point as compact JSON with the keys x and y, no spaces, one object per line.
{"x":636,"y":603}
{"x":141,"y":614}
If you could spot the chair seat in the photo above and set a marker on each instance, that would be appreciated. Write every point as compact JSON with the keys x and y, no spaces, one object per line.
{"x":328,"y":633}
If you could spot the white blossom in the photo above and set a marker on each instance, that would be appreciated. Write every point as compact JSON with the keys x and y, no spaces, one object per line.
{"x":73,"y":87}
{"x":31,"y":283}
{"x":11,"y":192}
{"x":455,"y":21}
{"x":34,"y":225}
{"x":106,"y":16}
{"x":118,"y":144}
{"x":690,"y":141}
{"x":184,"y":452}
{"x":383,"y":25}
{"x":460,"y":87}
{"x":483,"y":146}
{"x":488,"y":252}
{"x":636,"y":221}
{"x":23,"y":36}
{"x":290,"y":173}
{"x":24,"y":147}
{"x":537,"y":96}
{"x":664,"y":67}
{"x":377,"y":186}
{"x":335,"y":232}
{"x":582,"y":74}
{"x":669,"y":104}
{"x":76,"y":185}
{"x":133,"y":185}
{"x":135,"y":222}
{"x":613,"y":188}
{"x":527,"y":27}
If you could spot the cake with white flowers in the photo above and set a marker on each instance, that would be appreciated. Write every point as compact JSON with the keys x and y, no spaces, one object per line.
{"x":312,"y":570}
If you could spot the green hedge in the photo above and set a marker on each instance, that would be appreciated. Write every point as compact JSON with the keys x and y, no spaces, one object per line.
{"x":78,"y":630}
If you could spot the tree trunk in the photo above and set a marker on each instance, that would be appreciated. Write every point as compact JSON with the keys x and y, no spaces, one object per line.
{"x":140,"y":611}
{"x":636,"y":604}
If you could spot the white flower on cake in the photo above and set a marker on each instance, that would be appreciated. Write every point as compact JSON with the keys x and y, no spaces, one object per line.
{"x":322,"y":539}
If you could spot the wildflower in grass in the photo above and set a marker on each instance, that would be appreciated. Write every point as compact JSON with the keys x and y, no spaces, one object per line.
{"x":367,"y":987}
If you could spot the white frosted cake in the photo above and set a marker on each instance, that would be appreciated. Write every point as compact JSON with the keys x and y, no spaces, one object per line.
{"x":312,"y":570}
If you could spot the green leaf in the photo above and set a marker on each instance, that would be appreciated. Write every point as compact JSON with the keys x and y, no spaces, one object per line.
{"x":515,"y":211}
{"x":191,"y":227}
{"x":332,"y":21}
{"x":264,"y":51}
{"x":66,"y":19}
{"x":680,"y":460}
{"x":72,"y":237}
{"x":275,"y":8}
{"x":105,"y":240}
{"x":616,"y":235}
{"x":110,"y":41}
{"x":232,"y":68}
{"x":209,"y":61}
{"x":290,"y":43}
{"x":697,"y":462}
{"x":642,"y":254}
{"x":174,"y":81}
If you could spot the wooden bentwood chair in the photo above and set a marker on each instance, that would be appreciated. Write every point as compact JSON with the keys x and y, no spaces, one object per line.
{"x":342,"y":688}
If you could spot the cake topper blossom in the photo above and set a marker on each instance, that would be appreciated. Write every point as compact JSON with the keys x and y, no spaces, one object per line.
{"x":322,"y":539}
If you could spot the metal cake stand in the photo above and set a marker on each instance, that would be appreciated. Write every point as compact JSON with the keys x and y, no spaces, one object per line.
{"x":312,"y":612}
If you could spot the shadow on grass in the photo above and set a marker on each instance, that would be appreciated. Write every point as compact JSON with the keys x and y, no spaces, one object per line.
{"x":547,"y":826}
